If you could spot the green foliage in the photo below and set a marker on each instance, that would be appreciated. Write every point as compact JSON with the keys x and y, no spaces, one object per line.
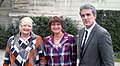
{"x":70,"y":26}
{"x":117,"y":60}
{"x":40,"y":28}
{"x":117,"y":55}
{"x":111,"y":21}
{"x":5,"y":34}
{"x":2,"y":32}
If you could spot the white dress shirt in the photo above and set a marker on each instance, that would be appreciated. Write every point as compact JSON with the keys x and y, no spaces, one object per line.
{"x":89,"y":31}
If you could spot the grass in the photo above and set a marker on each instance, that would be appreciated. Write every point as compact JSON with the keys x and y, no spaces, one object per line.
{"x":117,"y":60}
{"x":117,"y":57}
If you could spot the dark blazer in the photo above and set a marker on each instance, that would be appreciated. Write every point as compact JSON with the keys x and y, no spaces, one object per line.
{"x":98,"y":50}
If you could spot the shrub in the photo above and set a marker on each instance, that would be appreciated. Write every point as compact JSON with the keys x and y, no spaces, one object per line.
{"x":43,"y":29}
{"x":4,"y":35}
{"x":110,"y":19}
{"x":40,"y":28}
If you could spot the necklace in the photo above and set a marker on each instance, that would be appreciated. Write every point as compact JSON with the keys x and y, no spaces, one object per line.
{"x":59,"y":37}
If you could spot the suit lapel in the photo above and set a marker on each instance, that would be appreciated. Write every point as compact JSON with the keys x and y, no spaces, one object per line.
{"x":81,"y":33}
{"x":89,"y":39}
{"x":81,"y":37}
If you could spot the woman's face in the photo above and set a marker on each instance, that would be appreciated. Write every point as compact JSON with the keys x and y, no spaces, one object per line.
{"x":25,"y":27}
{"x":56,"y":27}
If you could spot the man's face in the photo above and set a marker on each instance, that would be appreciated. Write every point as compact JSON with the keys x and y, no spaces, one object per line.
{"x":87,"y":17}
{"x":25,"y":27}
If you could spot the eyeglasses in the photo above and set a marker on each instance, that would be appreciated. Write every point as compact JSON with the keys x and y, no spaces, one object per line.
{"x":83,"y":15}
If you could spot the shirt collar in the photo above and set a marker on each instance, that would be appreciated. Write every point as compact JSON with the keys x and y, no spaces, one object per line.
{"x":90,"y":29}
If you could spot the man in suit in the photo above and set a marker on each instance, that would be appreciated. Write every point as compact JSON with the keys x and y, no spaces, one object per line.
{"x":95,"y":44}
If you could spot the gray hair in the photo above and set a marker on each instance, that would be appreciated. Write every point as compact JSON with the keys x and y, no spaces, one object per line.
{"x":26,"y":19}
{"x":88,"y":6}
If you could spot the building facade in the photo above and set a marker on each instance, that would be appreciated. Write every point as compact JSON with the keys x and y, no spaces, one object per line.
{"x":9,"y":9}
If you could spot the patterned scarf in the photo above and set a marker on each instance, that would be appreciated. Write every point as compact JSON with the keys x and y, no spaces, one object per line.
{"x":21,"y":49}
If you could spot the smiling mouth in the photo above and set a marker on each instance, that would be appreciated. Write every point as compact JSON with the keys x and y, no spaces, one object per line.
{"x":27,"y":30}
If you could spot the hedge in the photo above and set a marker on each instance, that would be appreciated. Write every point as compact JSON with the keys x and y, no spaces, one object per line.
{"x":40,"y":28}
{"x":110,"y":19}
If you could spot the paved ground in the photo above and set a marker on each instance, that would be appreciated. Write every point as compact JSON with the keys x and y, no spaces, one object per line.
{"x":2,"y":52}
{"x":117,"y":64}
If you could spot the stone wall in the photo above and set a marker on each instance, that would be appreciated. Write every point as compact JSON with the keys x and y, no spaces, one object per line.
{"x":5,"y":9}
{"x":66,"y":8}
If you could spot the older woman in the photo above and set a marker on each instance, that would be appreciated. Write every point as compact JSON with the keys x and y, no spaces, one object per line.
{"x":61,"y":47}
{"x":25,"y":48}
